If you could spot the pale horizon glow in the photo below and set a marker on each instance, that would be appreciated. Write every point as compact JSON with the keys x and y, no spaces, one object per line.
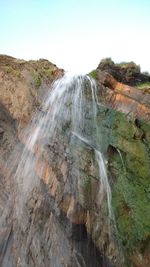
{"x":76,"y":35}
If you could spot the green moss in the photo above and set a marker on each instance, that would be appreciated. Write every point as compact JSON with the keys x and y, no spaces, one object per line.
{"x":93,"y":74}
{"x":37,"y":81}
{"x":133,"y":214}
{"x":124,"y":126}
{"x":143,"y":85}
{"x":139,"y":168}
{"x":36,"y":78}
{"x":12,"y":71}
{"x":129,"y":173}
{"x":130,"y":202}
{"x":47,"y":72}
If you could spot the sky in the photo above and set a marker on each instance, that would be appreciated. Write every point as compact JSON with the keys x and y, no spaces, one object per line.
{"x":76,"y":34}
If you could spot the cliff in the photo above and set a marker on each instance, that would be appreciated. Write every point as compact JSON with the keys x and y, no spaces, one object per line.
{"x":125,"y":130}
{"x":23,"y":85}
{"x":57,"y":226}
{"x":126,"y":72}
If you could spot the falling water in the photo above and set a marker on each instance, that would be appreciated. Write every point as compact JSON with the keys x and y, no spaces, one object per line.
{"x":105,"y":187}
{"x":122,"y":161}
{"x":66,"y":102}
{"x":70,"y":101}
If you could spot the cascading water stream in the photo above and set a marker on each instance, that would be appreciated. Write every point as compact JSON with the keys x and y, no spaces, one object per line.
{"x":105,"y":187}
{"x":71,"y":102}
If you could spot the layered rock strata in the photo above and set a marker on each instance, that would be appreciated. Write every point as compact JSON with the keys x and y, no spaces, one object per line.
{"x":62,"y":222}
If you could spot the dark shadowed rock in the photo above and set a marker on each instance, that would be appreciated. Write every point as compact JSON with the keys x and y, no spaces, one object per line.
{"x":125,"y":72}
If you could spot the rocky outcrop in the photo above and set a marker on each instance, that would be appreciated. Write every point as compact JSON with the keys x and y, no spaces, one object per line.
{"x":126,"y":144}
{"x":23,"y":85}
{"x":126,"y":72}
{"x":124,"y":98}
{"x":8,"y":140}
{"x":64,"y":220}
{"x":125,"y":130}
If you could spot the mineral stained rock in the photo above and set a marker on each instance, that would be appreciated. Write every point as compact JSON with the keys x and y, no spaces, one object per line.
{"x":55,"y":228}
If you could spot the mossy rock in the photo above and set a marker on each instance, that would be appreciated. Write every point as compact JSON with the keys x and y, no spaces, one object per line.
{"x":126,"y":142}
{"x":36,"y":78}
{"x":130,"y":199}
{"x":93,"y":74}
{"x":145,"y":85}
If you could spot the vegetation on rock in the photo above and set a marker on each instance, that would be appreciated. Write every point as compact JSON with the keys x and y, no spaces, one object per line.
{"x":145,"y":85}
{"x":93,"y":74}
{"x":19,"y":82}
{"x":124,"y":139}
{"x":125,"y":72}
{"x":129,"y":171}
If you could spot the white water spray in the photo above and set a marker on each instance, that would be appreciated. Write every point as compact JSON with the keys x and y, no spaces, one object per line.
{"x":70,"y":100}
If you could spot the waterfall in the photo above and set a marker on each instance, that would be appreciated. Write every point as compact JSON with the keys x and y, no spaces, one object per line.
{"x":104,"y":180}
{"x":69,"y":109}
{"x":66,"y":102}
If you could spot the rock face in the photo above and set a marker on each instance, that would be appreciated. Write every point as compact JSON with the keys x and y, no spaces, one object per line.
{"x":21,"y":83}
{"x":8,"y":139}
{"x":127,"y":73}
{"x":126,"y":144}
{"x":124,"y":129}
{"x":62,"y":222}
{"x":124,"y":98}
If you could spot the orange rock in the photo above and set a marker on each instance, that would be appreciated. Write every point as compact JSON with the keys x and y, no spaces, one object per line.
{"x":75,"y":213}
{"x":124,"y":98}
{"x":46,"y":173}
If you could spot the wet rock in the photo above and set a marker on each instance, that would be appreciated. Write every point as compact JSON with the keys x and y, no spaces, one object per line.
{"x":64,"y":218}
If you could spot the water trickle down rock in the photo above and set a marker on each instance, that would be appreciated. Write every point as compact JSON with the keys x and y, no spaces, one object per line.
{"x":53,"y":183}
{"x":55,"y":218}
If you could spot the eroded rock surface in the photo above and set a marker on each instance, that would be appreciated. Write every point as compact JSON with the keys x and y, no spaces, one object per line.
{"x":23,"y":85}
{"x":127,"y":99}
{"x":126,"y":72}
{"x":61,"y":222}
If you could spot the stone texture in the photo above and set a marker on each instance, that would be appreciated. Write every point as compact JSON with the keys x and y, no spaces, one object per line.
{"x":64,"y":219}
{"x":124,"y":72}
{"x":21,"y":83}
{"x":124,"y":98}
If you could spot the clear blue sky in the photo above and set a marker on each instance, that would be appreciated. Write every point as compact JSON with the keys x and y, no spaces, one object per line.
{"x":76,"y":34}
